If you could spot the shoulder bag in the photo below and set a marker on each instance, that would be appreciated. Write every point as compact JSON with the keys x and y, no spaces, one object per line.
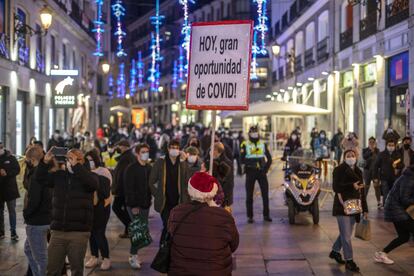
{"x":161,"y":262}
{"x":351,"y":206}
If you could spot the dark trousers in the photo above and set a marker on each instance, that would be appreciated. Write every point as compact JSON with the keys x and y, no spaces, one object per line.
{"x":98,"y":241}
{"x":377,"y":187}
{"x":165,"y":215}
{"x":11,"y":208}
{"x":404,"y":229}
{"x":119,"y":208}
{"x":251,"y":176}
{"x":238,"y":162}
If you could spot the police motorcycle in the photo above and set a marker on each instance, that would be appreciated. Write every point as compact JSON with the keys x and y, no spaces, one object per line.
{"x":302,"y":185}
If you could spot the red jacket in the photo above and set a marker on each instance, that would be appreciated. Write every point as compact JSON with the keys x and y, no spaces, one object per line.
{"x":203,"y":244}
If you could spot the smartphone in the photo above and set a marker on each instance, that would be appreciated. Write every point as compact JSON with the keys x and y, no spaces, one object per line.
{"x":60,"y":154}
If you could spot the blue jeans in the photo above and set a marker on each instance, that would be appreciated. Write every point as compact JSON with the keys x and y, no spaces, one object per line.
{"x":144,"y":212}
{"x":35,"y":248}
{"x":346,"y":227}
{"x":11,"y":207}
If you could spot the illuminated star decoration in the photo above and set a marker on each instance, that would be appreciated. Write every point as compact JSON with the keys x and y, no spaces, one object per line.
{"x":175,"y":75}
{"x":186,"y":33}
{"x":98,"y":30}
{"x":119,"y":12}
{"x":259,"y":43}
{"x":120,"y":82}
{"x":111,"y":86}
{"x":156,"y":57}
{"x":140,"y":69}
{"x":133,"y":78}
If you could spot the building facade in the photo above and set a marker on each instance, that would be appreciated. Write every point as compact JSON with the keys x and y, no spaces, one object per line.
{"x":351,"y":59}
{"x":26,"y":60}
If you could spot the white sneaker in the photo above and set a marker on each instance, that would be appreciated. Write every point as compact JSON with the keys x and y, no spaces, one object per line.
{"x":106,"y":264}
{"x":92,"y":262}
{"x":134,"y":262}
{"x":381,"y":257}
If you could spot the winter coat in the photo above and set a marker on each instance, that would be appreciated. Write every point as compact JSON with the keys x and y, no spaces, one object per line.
{"x":391,"y":134}
{"x":290,"y":147}
{"x":321,"y":147}
{"x":150,"y":141}
{"x":136,"y":186}
{"x":72,"y":202}
{"x":157,"y":183}
{"x":344,"y":178}
{"x":410,"y":153}
{"x":336,"y":141}
{"x":124,"y":160}
{"x":350,"y":144}
{"x":369,"y":157}
{"x":37,"y":210}
{"x":223,"y":172}
{"x":383,"y":167}
{"x":202,"y":244}
{"x":8,"y":183}
{"x":400,"y":197}
{"x":55,"y":143}
{"x":193,"y":168}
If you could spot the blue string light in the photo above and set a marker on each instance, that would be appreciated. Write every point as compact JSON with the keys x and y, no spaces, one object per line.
{"x":156,"y":56}
{"x":121,"y":81}
{"x":175,"y":75}
{"x":181,"y":66}
{"x":98,"y":30}
{"x":140,"y":69}
{"x":119,"y":12}
{"x":260,"y":28}
{"x":186,"y":33}
{"x":133,"y":78}
{"x":111,"y":86}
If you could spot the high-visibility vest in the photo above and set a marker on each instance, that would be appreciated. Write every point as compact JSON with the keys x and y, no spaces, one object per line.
{"x":255,"y":151}
{"x":110,"y":161}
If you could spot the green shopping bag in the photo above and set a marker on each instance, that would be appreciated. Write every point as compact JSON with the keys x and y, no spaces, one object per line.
{"x":139,"y":232}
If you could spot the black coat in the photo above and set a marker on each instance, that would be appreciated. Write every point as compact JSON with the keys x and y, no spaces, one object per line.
{"x":400,"y":197}
{"x":223,"y":172}
{"x":55,"y":143}
{"x":8,"y":184}
{"x":72,"y":203}
{"x":370,"y":157}
{"x":343,"y":183}
{"x":39,"y":199}
{"x":124,"y":160}
{"x":383,"y":167}
{"x":136,"y":186}
{"x":410,"y":153}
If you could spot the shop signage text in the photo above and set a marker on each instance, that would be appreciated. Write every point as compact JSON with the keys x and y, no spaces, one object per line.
{"x":65,"y":88}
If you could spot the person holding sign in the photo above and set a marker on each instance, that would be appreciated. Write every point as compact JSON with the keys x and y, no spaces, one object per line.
{"x":257,"y":161}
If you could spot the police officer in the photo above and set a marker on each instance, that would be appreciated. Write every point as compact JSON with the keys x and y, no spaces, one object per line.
{"x":257,"y":160}
{"x":110,"y":157}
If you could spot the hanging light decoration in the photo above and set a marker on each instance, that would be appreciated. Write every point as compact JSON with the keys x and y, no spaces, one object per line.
{"x":175,"y":75}
{"x":133,"y":78}
{"x":181,"y":66}
{"x":98,"y":30}
{"x":152,"y":69}
{"x":259,"y":37}
{"x":111,"y":86}
{"x":120,"y":83}
{"x":186,"y":33}
{"x":140,"y":69}
{"x":119,"y":12}
{"x":156,"y":57}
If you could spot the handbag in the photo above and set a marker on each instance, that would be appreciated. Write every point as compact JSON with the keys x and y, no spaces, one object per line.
{"x":351,"y":206}
{"x":363,"y":230}
{"x":139,"y":232}
{"x":161,"y":262}
{"x":410,"y":211}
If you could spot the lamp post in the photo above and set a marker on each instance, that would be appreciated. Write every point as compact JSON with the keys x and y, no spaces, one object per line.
{"x":106,"y":67}
{"x":22,"y":29}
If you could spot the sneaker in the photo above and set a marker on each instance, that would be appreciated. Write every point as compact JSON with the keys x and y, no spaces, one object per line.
{"x":134,"y":262}
{"x":382,"y":257}
{"x":106,"y":264}
{"x":14,"y":237}
{"x":92,"y":262}
{"x":351,"y":266}
{"x":337,"y":257}
{"x":268,"y":219}
{"x":250,"y":220}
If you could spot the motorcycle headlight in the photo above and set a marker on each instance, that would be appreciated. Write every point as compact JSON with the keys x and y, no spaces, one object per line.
{"x":312,"y":181}
{"x":296,"y":182}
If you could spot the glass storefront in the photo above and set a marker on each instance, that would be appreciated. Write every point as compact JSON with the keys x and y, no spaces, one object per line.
{"x":20,"y":123}
{"x":38,"y":111}
{"x":3,"y":112}
{"x":371,"y":110}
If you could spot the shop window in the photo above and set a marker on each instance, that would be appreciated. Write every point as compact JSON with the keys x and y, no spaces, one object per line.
{"x":21,"y":123}
{"x":38,"y":118}
{"x":22,"y":41}
{"x":64,"y":56}
{"x":346,"y":16}
{"x":310,"y":36}
{"x":347,"y":79}
{"x":51,"y":122}
{"x":53,"y":51}
{"x":323,"y":26}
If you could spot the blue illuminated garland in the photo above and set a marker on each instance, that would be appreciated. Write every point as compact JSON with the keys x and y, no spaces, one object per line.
{"x":119,"y":12}
{"x":133,"y":78}
{"x":140,"y":69}
{"x":181,"y":66}
{"x":186,"y":33}
{"x":175,"y":75}
{"x":156,"y":57}
{"x":152,"y":69}
{"x":98,"y":30}
{"x":111,"y":86}
{"x":261,"y":28}
{"x":121,"y":81}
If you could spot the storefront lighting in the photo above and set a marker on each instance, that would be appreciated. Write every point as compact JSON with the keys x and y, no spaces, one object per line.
{"x":268,"y":96}
{"x":299,"y":84}
{"x":127,"y":96}
{"x":311,"y":79}
{"x":275,"y":93}
{"x":355,"y":64}
{"x":325,"y":73}
{"x":290,"y":88}
{"x":336,"y":72}
{"x":282,"y":90}
{"x":377,"y":56}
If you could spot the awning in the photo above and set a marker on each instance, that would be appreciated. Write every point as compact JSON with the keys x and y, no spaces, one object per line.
{"x":275,"y":108}
{"x":120,"y":108}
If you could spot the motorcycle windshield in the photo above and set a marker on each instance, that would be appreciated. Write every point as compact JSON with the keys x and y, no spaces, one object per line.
{"x":301,"y":160}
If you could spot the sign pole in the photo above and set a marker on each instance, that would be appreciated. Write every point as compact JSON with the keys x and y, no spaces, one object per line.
{"x":213,"y":134}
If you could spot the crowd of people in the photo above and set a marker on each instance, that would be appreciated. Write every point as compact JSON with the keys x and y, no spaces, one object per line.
{"x":75,"y":182}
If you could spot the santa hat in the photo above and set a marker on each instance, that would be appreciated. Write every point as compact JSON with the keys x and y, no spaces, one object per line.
{"x":202,"y":187}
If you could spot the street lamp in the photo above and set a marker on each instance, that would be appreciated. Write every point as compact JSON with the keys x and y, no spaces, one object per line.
{"x":105,"y":67}
{"x":276,"y":50}
{"x":22,"y":29}
{"x":46,"y":18}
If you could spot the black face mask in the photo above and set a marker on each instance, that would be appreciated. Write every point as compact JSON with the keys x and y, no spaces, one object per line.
{"x":194,"y":145}
{"x":407,"y":146}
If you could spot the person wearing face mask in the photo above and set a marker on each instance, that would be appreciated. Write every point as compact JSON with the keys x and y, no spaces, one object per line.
{"x":407,"y":154}
{"x":110,"y":157}
{"x":348,"y":185}
{"x":101,"y":211}
{"x":168,"y":183}
{"x":137,"y":193}
{"x":193,"y":160}
{"x":291,"y":146}
{"x":257,"y":161}
{"x":9,"y":192}
{"x":125,"y":158}
{"x":321,"y":144}
{"x":351,"y":142}
{"x":72,"y":210}
{"x":391,"y":134}
{"x":370,"y":155}
{"x":336,"y":146}
{"x":55,"y":141}
{"x":148,"y":138}
{"x":388,"y":167}
{"x":195,"y":143}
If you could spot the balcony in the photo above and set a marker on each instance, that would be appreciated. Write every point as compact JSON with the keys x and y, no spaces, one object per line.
{"x":368,"y":26}
{"x":298,"y":63}
{"x":322,"y":51}
{"x":280,"y":73}
{"x":309,"y":59}
{"x":396,"y":12}
{"x":346,"y":39}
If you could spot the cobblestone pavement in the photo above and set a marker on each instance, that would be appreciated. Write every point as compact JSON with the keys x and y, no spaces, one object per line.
{"x":265,"y":248}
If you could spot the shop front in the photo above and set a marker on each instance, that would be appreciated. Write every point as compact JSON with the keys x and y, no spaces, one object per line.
{"x":398,"y":69}
{"x":369,"y":98}
{"x":346,"y":101}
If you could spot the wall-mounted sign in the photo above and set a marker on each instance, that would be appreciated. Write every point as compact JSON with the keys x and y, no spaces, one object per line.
{"x":370,"y":72}
{"x":65,"y":88}
{"x":347,"y":79}
{"x":398,"y":69}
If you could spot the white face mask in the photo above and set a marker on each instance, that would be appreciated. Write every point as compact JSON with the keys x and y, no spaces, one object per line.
{"x":294,"y":137}
{"x":56,"y":136}
{"x":390,"y":148}
{"x":192,"y":159}
{"x":254,"y":135}
{"x":322,"y":136}
{"x":174,"y":152}
{"x":144,"y":156}
{"x":351,"y":161}
{"x":92,"y":165}
{"x":69,"y":167}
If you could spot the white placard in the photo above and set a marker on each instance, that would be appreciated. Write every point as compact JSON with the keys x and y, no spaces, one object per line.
{"x":219,"y":67}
